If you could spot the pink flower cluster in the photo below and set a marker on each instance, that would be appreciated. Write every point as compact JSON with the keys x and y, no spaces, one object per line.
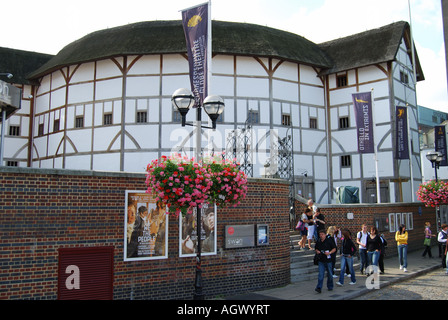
{"x":229,"y":183}
{"x":433,"y":193}
{"x":182,"y":184}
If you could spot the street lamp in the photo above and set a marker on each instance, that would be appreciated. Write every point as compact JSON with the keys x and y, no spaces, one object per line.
{"x":435,"y":157}
{"x":183,"y":100}
{"x":6,"y":74}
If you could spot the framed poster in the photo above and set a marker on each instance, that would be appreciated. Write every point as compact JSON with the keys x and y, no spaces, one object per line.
{"x":145,"y":227}
{"x":188,"y":232}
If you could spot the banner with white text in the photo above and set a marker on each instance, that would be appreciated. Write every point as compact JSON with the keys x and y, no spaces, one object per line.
{"x":364,"y":121}
{"x":401,"y":124}
{"x":440,"y":143}
{"x":195,"y":24}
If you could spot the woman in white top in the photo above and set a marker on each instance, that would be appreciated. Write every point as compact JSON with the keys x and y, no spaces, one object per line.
{"x":307,"y":217}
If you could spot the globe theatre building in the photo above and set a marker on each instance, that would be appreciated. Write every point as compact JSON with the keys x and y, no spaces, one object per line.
{"x":104,"y":103}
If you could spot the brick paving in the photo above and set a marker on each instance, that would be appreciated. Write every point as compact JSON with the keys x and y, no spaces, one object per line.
{"x":304,"y":290}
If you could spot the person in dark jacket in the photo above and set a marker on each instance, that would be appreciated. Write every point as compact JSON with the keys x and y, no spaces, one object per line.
{"x":348,"y":250}
{"x":374,"y":244}
{"x":324,"y":248}
{"x":382,"y":253}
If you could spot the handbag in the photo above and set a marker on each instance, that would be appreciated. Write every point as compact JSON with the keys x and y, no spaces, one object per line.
{"x":427,"y":242}
{"x":300,"y":225}
{"x":316,"y":259}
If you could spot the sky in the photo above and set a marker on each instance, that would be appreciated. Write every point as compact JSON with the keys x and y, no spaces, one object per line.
{"x":46,"y":26}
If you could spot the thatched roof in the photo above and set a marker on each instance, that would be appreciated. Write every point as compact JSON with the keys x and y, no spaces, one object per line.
{"x":369,"y":48}
{"x":164,"y":37}
{"x":20,"y":63}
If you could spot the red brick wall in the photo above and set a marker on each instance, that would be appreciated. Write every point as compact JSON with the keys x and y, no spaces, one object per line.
{"x":44,"y":210}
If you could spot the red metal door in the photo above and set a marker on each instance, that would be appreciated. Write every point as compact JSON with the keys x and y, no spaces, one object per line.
{"x":85,"y":273}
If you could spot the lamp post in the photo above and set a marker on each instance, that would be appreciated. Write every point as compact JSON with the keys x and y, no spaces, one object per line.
{"x":435,"y":157}
{"x":183,"y":100}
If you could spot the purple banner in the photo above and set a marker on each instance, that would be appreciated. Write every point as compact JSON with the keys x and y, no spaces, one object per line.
{"x":440,"y":143}
{"x":401,"y":124}
{"x":195,"y":23}
{"x":364,"y":121}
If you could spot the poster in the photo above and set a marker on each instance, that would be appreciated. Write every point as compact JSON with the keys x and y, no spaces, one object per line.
{"x":145,"y":227}
{"x":188,"y":232}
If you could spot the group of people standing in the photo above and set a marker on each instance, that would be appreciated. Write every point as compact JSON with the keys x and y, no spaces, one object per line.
{"x":369,"y":244}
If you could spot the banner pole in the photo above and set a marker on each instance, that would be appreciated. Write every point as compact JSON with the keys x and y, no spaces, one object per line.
{"x":410,"y":156}
{"x":375,"y":155}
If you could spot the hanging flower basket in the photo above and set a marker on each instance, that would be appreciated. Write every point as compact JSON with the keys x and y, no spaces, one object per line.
{"x":182,"y":184}
{"x":433,"y":193}
{"x":229,"y":183}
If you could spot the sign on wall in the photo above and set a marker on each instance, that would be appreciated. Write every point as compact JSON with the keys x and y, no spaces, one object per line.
{"x":188,"y":232}
{"x":239,"y":236}
{"x":145,"y":227}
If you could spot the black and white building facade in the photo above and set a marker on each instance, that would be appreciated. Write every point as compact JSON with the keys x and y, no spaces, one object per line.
{"x":104,"y":103}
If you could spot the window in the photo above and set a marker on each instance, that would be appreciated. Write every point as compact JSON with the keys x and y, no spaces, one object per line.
{"x":14,"y":130}
{"x":344,"y":123}
{"x":56,"y":124}
{"x":396,"y":219}
{"x":346,"y":161}
{"x":142,"y":116}
{"x":286,"y":120}
{"x":404,"y":78}
{"x":177,"y":117}
{"x":313,"y":123}
{"x":253,"y":117}
{"x":220,"y":118}
{"x":12,"y":163}
{"x":107,"y":119}
{"x":341,"y":81}
{"x":79,"y":122}
{"x":40,"y":130}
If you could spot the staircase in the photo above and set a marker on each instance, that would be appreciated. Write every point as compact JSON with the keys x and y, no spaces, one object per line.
{"x":302,"y":266}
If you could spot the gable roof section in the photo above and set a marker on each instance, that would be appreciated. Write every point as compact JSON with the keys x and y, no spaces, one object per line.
{"x":165,"y":37}
{"x":369,"y":48}
{"x":20,"y":63}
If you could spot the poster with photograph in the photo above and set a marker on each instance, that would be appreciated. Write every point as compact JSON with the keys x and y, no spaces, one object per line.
{"x":188,"y":232}
{"x":145,"y":227}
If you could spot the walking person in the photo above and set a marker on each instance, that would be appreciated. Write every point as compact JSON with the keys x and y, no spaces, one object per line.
{"x":446,"y":269}
{"x":382,"y":253}
{"x":324,"y":248}
{"x":373,"y":249}
{"x":401,"y":236}
{"x":319,"y":220}
{"x":348,"y":250}
{"x":309,"y":225}
{"x":332,"y":235}
{"x":302,"y":226}
{"x":441,"y":239}
{"x":361,"y":240}
{"x":427,"y":241}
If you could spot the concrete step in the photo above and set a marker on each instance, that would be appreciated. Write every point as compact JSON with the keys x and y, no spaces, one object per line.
{"x":302,"y":266}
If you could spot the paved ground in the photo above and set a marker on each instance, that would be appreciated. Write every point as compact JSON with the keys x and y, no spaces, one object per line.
{"x":304,"y":290}
{"x":430,"y":286}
